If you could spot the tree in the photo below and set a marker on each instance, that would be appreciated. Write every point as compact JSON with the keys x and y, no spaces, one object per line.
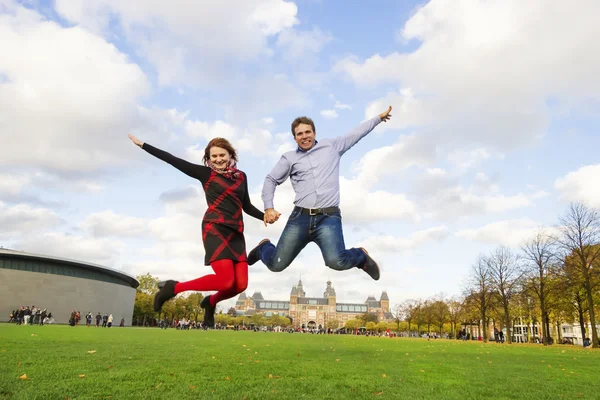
{"x":540,"y":259}
{"x":409,"y":309}
{"x":505,"y":274}
{"x":148,"y":284}
{"x":371,"y":326}
{"x":368,"y":317}
{"x":353,"y":324}
{"x":333,"y":324}
{"x":257,"y":319}
{"x":440,"y":313}
{"x":382,"y":326}
{"x":580,"y":228}
{"x":398,"y":316}
{"x":455,"y":313}
{"x":428,"y":314}
{"x":479,"y":291}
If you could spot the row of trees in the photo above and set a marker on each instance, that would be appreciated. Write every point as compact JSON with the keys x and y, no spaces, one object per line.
{"x":554,"y":278}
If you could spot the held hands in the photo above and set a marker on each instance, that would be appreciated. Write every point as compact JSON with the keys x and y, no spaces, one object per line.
{"x":271,"y":216}
{"x":385,"y":116}
{"x":135,"y":140}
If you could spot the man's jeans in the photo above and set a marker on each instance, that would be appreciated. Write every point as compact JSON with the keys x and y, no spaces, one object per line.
{"x":301,"y":229}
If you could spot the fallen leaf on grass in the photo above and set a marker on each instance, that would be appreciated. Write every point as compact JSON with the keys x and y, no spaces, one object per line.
{"x":33,"y":334}
{"x":227,"y":378}
{"x":270,"y":375}
{"x":298,"y":354}
{"x":82,"y":375}
{"x":110,"y":366}
{"x":383,"y":375}
{"x":422,"y":370}
{"x":157,"y":386}
{"x":192,"y":387}
{"x":214,"y":357}
{"x":378,"y":393}
{"x":257,"y":361}
{"x":24,"y":377}
{"x":19,"y":364}
{"x":337,"y":359}
{"x":91,"y":351}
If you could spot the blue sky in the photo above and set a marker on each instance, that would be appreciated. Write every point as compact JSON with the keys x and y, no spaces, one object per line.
{"x":494,"y":127}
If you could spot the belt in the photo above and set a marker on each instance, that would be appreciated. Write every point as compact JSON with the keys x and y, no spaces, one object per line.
{"x":318,"y":211}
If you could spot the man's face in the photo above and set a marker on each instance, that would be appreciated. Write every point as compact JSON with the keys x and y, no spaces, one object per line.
{"x":304,"y":136}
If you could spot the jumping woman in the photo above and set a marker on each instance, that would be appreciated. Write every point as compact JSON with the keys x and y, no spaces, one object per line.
{"x":226,"y":190}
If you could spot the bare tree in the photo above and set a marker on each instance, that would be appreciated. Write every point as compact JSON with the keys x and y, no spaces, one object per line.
{"x":440,"y":311}
{"x":409,"y":309}
{"x":479,"y":291}
{"x":540,"y":258}
{"x":505,"y":274}
{"x":580,"y":228}
{"x":455,"y":313}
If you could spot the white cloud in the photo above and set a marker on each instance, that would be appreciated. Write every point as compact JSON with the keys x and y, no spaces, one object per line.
{"x":408,"y":151}
{"x":109,"y":223}
{"x":394,"y":244}
{"x":302,"y":45}
{"x":179,"y":37}
{"x":491,"y":85}
{"x":341,"y":106}
{"x":580,"y":185}
{"x":465,"y":159}
{"x":512,"y":233}
{"x":359,"y":205}
{"x":22,"y":220}
{"x":68,"y":115}
{"x":101,"y":251}
{"x":11,"y":185}
{"x":206,"y":131}
{"x":329,"y":114}
{"x":458,"y":201}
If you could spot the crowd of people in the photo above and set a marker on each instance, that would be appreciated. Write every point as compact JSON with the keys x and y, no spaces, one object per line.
{"x":25,"y":315}
{"x":106,"y":320}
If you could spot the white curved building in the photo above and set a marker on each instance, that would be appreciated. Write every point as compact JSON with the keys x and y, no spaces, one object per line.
{"x":61,"y":285}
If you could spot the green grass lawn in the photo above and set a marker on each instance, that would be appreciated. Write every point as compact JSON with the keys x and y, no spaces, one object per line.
{"x":94,"y":363}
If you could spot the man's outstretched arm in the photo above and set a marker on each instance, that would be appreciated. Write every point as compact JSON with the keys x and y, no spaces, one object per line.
{"x":343,"y":143}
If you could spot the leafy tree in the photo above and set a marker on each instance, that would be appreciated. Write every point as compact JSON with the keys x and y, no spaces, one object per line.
{"x":148,"y":284}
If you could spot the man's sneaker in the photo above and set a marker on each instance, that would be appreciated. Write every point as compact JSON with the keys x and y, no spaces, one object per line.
{"x":209,"y":312}
{"x":370,"y":266}
{"x":253,"y":255}
{"x":166,"y":293}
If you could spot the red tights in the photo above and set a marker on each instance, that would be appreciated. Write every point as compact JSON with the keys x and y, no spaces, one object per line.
{"x":228,"y":280}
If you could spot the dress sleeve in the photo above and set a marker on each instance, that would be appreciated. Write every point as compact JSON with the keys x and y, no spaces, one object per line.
{"x":199,"y":172}
{"x":247,"y":205}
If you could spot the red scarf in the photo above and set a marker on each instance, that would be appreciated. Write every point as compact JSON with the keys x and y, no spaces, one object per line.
{"x":230,"y":172}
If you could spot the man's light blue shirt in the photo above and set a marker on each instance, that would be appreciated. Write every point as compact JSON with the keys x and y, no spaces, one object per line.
{"x":315,"y":173}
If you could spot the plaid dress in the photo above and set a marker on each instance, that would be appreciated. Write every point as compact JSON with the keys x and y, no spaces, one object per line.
{"x":222,"y":225}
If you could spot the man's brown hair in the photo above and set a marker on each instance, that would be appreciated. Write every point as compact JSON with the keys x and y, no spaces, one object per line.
{"x":302,"y":120}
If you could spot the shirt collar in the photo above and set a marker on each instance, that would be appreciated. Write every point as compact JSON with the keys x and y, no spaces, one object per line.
{"x":300,"y":149}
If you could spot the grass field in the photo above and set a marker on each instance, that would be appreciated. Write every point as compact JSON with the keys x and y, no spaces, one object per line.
{"x":94,"y":363}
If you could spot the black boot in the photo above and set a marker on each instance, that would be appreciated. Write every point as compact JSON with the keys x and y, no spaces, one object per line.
{"x":253,"y":255}
{"x":370,"y":266}
{"x":209,"y":312}
{"x":166,"y":293}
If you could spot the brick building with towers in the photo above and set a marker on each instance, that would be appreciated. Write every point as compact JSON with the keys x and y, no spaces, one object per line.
{"x":314,"y":312}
